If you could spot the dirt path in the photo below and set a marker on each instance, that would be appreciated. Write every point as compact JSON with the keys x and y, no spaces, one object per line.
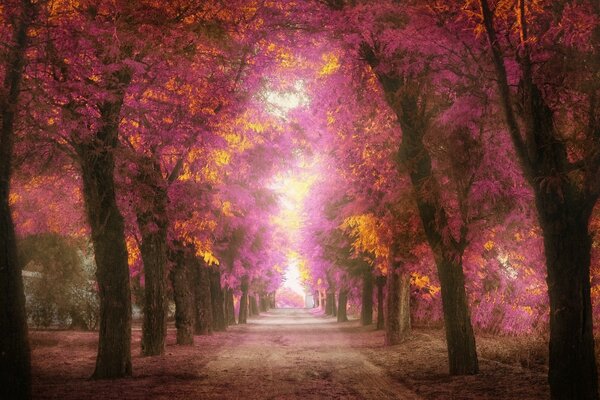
{"x":287,"y":354}
{"x":283,"y":354}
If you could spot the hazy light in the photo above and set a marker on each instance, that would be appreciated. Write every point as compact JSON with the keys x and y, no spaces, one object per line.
{"x":292,"y":278}
{"x":279,"y":103}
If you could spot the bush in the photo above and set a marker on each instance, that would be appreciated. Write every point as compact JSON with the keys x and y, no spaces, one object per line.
{"x":60,"y":286}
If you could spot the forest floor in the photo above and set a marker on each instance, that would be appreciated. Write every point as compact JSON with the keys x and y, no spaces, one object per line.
{"x":287,"y":354}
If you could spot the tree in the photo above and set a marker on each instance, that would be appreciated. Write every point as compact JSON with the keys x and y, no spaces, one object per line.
{"x":15,"y":364}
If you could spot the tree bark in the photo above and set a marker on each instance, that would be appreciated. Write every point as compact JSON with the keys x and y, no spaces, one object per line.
{"x":397,"y":321}
{"x":380,"y":281}
{"x":403,"y":96}
{"x":229,"y":307}
{"x":243,"y":312}
{"x":218,"y":301}
{"x":203,"y":324}
{"x":564,"y":210}
{"x":253,"y":306}
{"x":152,"y":224}
{"x":183,"y":293}
{"x":15,"y":355}
{"x":366,"y":310}
{"x":567,"y":246}
{"x":342,"y":315}
{"x":96,"y":156}
{"x":329,"y":302}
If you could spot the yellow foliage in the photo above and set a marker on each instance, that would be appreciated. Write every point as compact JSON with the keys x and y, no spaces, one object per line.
{"x":332,"y":64}
{"x":489,"y":245}
{"x":209,"y":257}
{"x":227,"y":209}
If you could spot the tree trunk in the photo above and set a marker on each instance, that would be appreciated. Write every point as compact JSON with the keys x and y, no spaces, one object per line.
{"x":329,"y":302}
{"x":380,"y":281}
{"x":253,"y":306}
{"x":203,"y":324}
{"x":342,"y":315}
{"x":366,"y":310}
{"x":567,"y":245}
{"x":243,"y":312}
{"x":263,"y":304}
{"x":564,"y":209}
{"x":15,"y":355}
{"x":317,"y":302}
{"x":96,"y":156}
{"x":218,"y":301}
{"x":403,"y":96}
{"x":153,"y":227}
{"x":183,"y":294}
{"x":229,"y":307}
{"x":397,"y":322}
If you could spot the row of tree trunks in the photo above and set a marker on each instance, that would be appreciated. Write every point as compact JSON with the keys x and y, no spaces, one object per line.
{"x":15,"y":358}
{"x":203,"y":324}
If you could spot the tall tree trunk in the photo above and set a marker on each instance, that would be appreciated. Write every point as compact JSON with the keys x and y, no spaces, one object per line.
{"x":96,"y":156}
{"x":243,"y":312}
{"x":342,"y":314}
{"x":317,"y":302}
{"x":15,"y":356}
{"x":567,"y":246}
{"x":564,"y":209}
{"x":397,"y":321}
{"x":218,"y":301}
{"x":153,"y":227}
{"x":203,"y":324}
{"x":403,"y":96}
{"x":366,"y":309}
{"x":229,"y":306}
{"x":380,"y":282}
{"x":183,"y":293}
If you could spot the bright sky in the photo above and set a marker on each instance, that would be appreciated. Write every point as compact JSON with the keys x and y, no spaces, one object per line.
{"x":291,"y":277}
